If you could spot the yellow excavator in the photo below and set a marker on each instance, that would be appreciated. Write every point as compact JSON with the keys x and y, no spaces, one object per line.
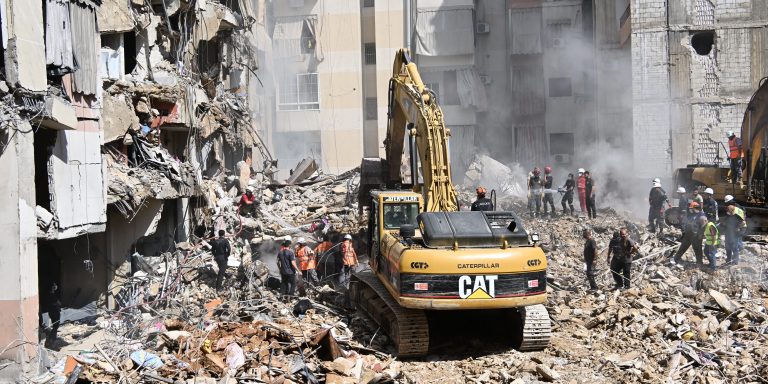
{"x":425,"y":254}
{"x":751,"y":192}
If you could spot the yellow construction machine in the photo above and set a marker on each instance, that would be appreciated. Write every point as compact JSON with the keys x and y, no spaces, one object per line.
{"x":425,"y":254}
{"x":751,"y":191}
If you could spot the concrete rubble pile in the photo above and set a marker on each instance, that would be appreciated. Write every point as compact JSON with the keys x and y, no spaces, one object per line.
{"x":322,"y":204}
{"x":170,"y":326}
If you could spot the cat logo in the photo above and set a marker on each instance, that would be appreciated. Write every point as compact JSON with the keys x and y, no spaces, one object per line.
{"x":478,"y":287}
{"x":534,"y":262}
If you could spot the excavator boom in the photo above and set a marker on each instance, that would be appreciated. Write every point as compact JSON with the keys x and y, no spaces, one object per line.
{"x":413,"y":111}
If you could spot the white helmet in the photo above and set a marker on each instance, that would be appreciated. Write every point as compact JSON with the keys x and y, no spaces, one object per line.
{"x":656,"y":185}
{"x":680,"y":190}
{"x":249,"y":189}
{"x":287,"y":238}
{"x":301,"y":240}
{"x":657,"y":181}
{"x":709,"y":191}
{"x":581,"y":170}
{"x":347,"y":237}
{"x":729,"y":133}
{"x":728,"y":198}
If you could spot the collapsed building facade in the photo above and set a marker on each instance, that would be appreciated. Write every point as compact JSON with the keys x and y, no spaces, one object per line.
{"x":117,"y":118}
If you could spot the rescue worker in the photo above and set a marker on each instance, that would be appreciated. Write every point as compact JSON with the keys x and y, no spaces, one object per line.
{"x":624,"y":251}
{"x":286,"y":265}
{"x":247,"y":204}
{"x":697,"y":197}
{"x":221,"y":250}
{"x":656,"y":199}
{"x":682,"y":204}
{"x":349,"y":260}
{"x":734,"y":229}
{"x":535,"y":185}
{"x":482,"y":203}
{"x":581,"y":185}
{"x":709,"y":206}
{"x":590,"y":256}
{"x":323,"y":250}
{"x":589,"y":192}
{"x":307,"y":261}
{"x":711,"y":241}
{"x":570,"y":184}
{"x":682,"y":199}
{"x":691,"y":234}
{"x":735,"y":154}
{"x":548,"y":192}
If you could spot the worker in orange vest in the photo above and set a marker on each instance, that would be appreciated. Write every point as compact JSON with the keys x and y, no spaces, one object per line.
{"x":323,"y":253}
{"x":348,"y":260}
{"x":735,"y":153}
{"x":307,"y":261}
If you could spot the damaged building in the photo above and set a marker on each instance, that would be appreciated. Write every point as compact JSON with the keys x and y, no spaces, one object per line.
{"x":695,"y":65}
{"x":117,"y":118}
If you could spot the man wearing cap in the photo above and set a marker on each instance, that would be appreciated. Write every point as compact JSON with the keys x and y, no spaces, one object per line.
{"x":734,"y":228}
{"x":710,"y":205}
{"x":307,"y":261}
{"x":348,"y":259}
{"x":581,"y":185}
{"x":482,"y":203}
{"x":656,"y":199}
{"x":734,"y":156}
{"x":692,"y":234}
{"x":286,"y":264}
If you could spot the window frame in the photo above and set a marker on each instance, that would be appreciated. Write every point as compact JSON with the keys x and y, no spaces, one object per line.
{"x":369,"y":3}
{"x":298,"y":105}
{"x":369,"y":58}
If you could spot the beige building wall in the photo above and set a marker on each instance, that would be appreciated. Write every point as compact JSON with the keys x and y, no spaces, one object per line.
{"x":335,"y":128}
{"x":390,"y":36}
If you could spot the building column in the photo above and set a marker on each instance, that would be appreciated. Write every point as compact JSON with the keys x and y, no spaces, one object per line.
{"x":18,"y":245}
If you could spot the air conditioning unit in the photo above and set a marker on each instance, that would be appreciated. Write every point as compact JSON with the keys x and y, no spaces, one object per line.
{"x":487,"y":80}
{"x":562,"y":158}
{"x":482,"y":28}
{"x":557,"y":43}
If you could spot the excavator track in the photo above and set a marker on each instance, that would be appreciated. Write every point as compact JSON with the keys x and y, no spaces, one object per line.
{"x":536,"y":328}
{"x":407,"y":328}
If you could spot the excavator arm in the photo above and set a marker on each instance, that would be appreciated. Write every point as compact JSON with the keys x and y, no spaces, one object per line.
{"x":413,"y":110}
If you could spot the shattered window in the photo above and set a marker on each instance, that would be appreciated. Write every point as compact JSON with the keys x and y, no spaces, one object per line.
{"x":396,"y":215}
{"x":300,"y":92}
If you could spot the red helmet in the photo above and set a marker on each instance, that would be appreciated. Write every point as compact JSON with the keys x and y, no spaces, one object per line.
{"x":536,"y":171}
{"x":547,"y":169}
{"x":694,"y":204}
{"x":481,"y":191}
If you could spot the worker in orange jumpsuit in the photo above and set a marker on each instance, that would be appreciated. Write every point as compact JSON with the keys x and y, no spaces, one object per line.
{"x":348,"y":261}
{"x":307,"y":261}
{"x":735,"y":154}
{"x":581,"y":185}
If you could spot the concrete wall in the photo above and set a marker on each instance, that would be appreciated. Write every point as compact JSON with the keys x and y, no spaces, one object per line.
{"x":390,"y":36}
{"x":78,"y":184}
{"x":18,"y":245}
{"x":339,"y":120}
{"x":25,"y":44}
